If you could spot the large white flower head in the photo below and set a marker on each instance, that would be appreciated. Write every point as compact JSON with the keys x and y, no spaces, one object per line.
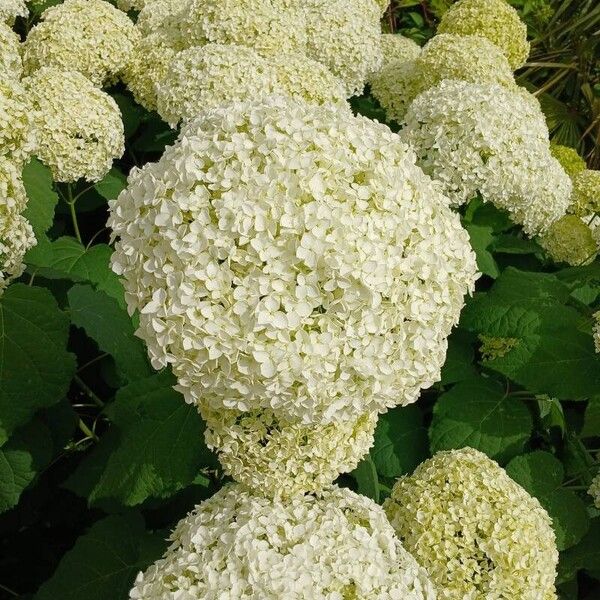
{"x":164,"y":20}
{"x":89,"y":36}
{"x":274,"y":457}
{"x":11,"y":65}
{"x":478,"y":533}
{"x":236,"y":546}
{"x":396,"y":47}
{"x":464,"y":57}
{"x":268,"y":26}
{"x":345,"y":35}
{"x":493,"y":140}
{"x":15,"y":121}
{"x":203,"y":77}
{"x":11,"y":9}
{"x":569,"y":240}
{"x":78,"y":127}
{"x":16,"y":235}
{"x":495,"y":20}
{"x":395,"y":87}
{"x":147,"y":67}
{"x":292,"y":256}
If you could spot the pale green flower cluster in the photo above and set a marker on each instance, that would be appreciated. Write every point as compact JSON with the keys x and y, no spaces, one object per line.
{"x":495,"y":20}
{"x":594,"y":489}
{"x":397,"y":48}
{"x":570,"y":240}
{"x":238,"y":546}
{"x":89,"y":36}
{"x":78,"y":127}
{"x":568,"y":158}
{"x":477,"y":532}
{"x":586,"y":193}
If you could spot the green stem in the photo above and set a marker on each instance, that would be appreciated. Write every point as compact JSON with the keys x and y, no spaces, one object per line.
{"x":88,"y":390}
{"x":87,"y":431}
{"x":71,"y":202}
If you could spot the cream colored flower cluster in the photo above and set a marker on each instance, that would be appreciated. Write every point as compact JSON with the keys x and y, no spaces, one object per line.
{"x":11,"y":64}
{"x":15,"y":121}
{"x":319,"y":51}
{"x":278,"y":458}
{"x":11,"y":9}
{"x":88,"y":36}
{"x":237,"y":546}
{"x":397,"y":48}
{"x":79,"y":128}
{"x":292,"y":257}
{"x":570,"y":240}
{"x":493,"y":140}
{"x":477,"y":532}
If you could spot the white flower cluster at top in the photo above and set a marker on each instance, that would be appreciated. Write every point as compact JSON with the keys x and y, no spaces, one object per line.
{"x":11,"y":9}
{"x":477,"y":532}
{"x":196,"y":54}
{"x":474,"y":130}
{"x":238,"y":546}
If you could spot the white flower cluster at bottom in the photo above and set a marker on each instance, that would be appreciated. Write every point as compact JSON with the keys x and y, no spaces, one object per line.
{"x":237,"y":546}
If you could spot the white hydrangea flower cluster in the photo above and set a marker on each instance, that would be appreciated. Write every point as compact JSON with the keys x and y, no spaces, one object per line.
{"x":277,"y":458}
{"x":397,"y":48}
{"x":236,"y":546}
{"x":11,"y":9}
{"x":89,"y":36}
{"x":204,"y":77}
{"x":569,"y":240}
{"x":127,"y":5}
{"x":292,"y":257}
{"x":495,"y":20}
{"x":16,"y":135}
{"x":11,"y":64}
{"x":493,"y":140}
{"x":478,"y":533}
{"x":164,"y":19}
{"x":445,"y":56}
{"x":78,"y":126}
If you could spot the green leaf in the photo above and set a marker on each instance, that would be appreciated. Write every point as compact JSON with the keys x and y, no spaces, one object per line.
{"x":366,"y":478}
{"x":131,"y":113}
{"x":67,"y":258}
{"x":477,"y":413}
{"x":111,"y":328}
{"x":511,"y":244}
{"x":155,"y":447}
{"x":21,"y":458}
{"x":400,"y":441}
{"x":459,"y":358}
{"x":585,"y":555}
{"x":112,"y":185}
{"x":35,"y":367}
{"x":591,"y":422}
{"x":481,"y":239}
{"x":104,"y":562}
{"x":541,"y":474}
{"x":42,"y":199}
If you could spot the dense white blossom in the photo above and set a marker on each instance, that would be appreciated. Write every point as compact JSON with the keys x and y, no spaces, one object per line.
{"x":11,"y":65}
{"x":274,"y":457}
{"x":15,"y":121}
{"x":236,"y":546}
{"x":478,"y":533}
{"x":78,"y":127}
{"x":489,"y":139}
{"x":164,"y":19}
{"x":292,"y":256}
{"x":202,"y":77}
{"x":495,"y":20}
{"x":11,"y":9}
{"x":89,"y":36}
{"x":396,"y":47}
{"x":267,"y":26}
{"x":345,"y":35}
{"x":16,"y":235}
{"x":395,"y":87}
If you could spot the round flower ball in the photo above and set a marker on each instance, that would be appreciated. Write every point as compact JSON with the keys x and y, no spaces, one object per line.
{"x":16,"y":132}
{"x":163,"y":19}
{"x":274,"y":457}
{"x":478,"y":533}
{"x":495,"y":20}
{"x":89,"y":36}
{"x":292,"y":256}
{"x":202,"y":77}
{"x":586,"y":193}
{"x":397,"y":48}
{"x":345,"y":35}
{"x":268,"y":26}
{"x":148,"y":66}
{"x":237,"y":546}
{"x":78,"y":127}
{"x":568,"y":158}
{"x":11,"y":9}
{"x":16,"y":235}
{"x":569,"y":240}
{"x":11,"y":65}
{"x":463,"y":57}
{"x":493,"y":140}
{"x":395,"y":87}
